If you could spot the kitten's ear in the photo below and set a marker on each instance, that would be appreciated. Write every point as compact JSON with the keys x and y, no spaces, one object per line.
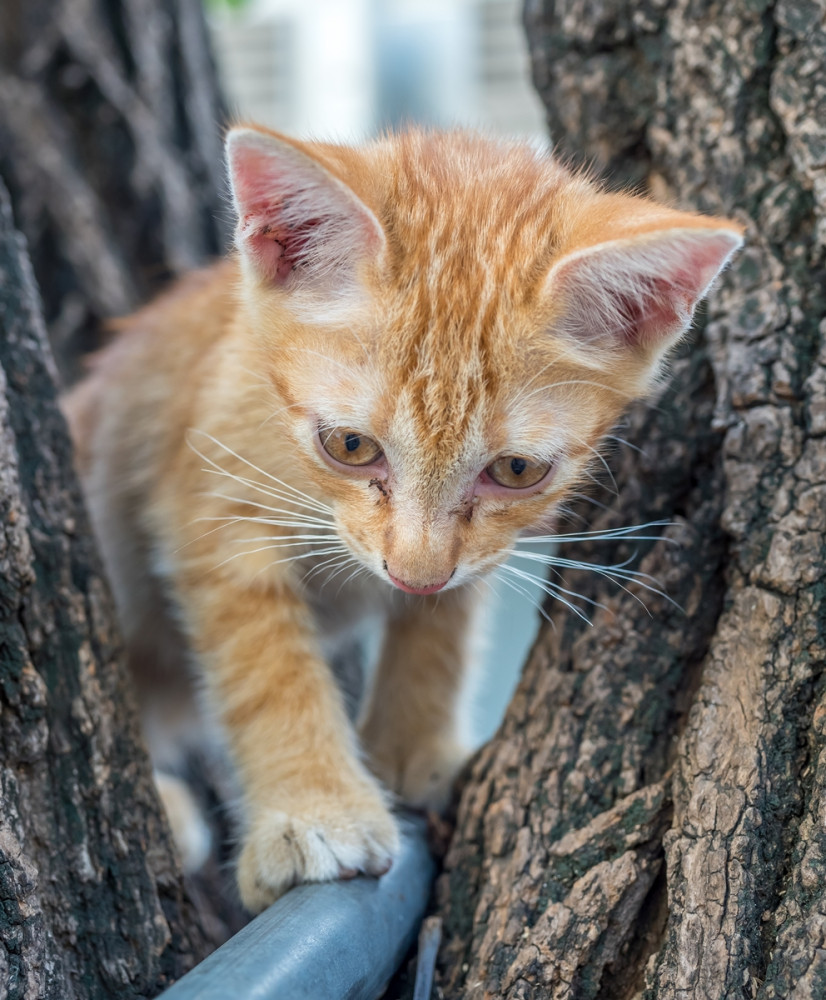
{"x":639,"y":291}
{"x":299,"y":226}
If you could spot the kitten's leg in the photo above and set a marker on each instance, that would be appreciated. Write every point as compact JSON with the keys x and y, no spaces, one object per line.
{"x":313,"y":812}
{"x":413,"y":724}
{"x":189,"y":828}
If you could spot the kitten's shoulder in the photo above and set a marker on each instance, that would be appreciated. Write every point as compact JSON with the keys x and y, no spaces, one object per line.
{"x":183,"y":320}
{"x":159,"y":345}
{"x":204,"y":299}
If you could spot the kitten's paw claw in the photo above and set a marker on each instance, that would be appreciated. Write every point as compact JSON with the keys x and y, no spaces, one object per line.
{"x":314,"y":845}
{"x":384,"y":867}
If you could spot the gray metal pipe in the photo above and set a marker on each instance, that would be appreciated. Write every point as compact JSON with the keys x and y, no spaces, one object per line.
{"x":323,"y":941}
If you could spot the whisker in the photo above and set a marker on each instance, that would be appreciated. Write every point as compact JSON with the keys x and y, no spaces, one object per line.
{"x":541,"y":371}
{"x":304,"y":555}
{"x":621,"y":440}
{"x":232,"y":520}
{"x":640,"y":582}
{"x":614,"y":491}
{"x":522,"y":591}
{"x":615,"y":570}
{"x":256,"y":503}
{"x":616,"y":574}
{"x":264,"y":548}
{"x":542,"y":582}
{"x":227,"y":522}
{"x":551,"y":588}
{"x":591,"y":500}
{"x":268,"y":490}
{"x":356,"y":572}
{"x":550,"y":559}
{"x":603,"y":534}
{"x":563,"y":510}
{"x":334,"y":560}
{"x":285,"y":539}
{"x":305,"y":522}
{"x":618,"y":569}
{"x":616,"y":581}
{"x":340,"y":569}
{"x":601,"y":457}
{"x":252,"y":465}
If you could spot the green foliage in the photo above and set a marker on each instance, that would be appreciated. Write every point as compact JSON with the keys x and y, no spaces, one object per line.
{"x":218,"y":5}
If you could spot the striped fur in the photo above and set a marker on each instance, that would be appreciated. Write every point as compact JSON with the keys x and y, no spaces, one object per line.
{"x":455,"y":298}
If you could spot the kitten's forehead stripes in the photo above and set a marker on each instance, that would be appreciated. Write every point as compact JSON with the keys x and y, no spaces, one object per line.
{"x":479,"y":262}
{"x":456,"y":241}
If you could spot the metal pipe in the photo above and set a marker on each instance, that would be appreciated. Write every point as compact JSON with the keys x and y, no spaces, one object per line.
{"x":323,"y":941}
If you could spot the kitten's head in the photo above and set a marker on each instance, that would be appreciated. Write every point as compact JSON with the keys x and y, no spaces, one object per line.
{"x":452,"y":323}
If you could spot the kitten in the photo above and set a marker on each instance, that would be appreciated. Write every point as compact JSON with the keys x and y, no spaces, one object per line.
{"x":405,"y":365}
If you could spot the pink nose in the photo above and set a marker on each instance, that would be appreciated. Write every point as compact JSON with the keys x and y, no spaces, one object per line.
{"x":409,"y":589}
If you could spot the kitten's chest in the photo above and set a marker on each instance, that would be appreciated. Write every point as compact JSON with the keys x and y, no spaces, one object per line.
{"x":342,"y":608}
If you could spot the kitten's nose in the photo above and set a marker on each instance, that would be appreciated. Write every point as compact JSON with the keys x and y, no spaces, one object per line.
{"x":416,"y":588}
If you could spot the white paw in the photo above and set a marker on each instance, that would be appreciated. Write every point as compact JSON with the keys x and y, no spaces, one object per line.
{"x":189,"y":828}
{"x":315,"y":842}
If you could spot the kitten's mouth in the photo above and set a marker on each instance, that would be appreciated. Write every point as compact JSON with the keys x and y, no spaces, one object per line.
{"x":409,"y":588}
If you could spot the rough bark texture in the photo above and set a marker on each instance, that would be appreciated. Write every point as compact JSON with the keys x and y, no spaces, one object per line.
{"x":92,"y":898}
{"x":650,"y":819}
{"x":110,"y":147}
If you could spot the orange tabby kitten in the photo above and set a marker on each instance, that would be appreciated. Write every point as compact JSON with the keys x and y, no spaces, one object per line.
{"x":406,"y":364}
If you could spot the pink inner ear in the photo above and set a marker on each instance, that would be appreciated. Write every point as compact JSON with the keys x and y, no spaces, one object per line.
{"x":297,"y":222}
{"x":668,"y":302}
{"x":641,"y":293}
{"x":277,"y":248}
{"x":658,"y":308}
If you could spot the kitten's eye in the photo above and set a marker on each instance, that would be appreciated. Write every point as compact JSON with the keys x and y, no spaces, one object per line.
{"x":350,"y":447}
{"x":517,"y":473}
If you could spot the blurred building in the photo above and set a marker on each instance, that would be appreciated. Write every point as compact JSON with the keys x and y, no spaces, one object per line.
{"x":346,"y":68}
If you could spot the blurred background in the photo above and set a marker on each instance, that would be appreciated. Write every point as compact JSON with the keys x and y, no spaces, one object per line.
{"x":345,"y":69}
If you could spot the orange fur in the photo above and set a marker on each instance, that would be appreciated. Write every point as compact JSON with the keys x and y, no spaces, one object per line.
{"x":419,"y":291}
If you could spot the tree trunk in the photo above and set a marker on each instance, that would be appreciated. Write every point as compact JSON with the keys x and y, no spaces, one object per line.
{"x":649,"y":820}
{"x":110,"y":146}
{"x":92,"y":897}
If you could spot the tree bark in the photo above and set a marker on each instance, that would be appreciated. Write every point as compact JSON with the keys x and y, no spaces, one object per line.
{"x":92,"y":897}
{"x":110,"y":146}
{"x":649,"y":820}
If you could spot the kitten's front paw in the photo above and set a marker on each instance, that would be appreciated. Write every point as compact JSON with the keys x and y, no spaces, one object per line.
{"x":315,"y":841}
{"x":422,"y":778}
